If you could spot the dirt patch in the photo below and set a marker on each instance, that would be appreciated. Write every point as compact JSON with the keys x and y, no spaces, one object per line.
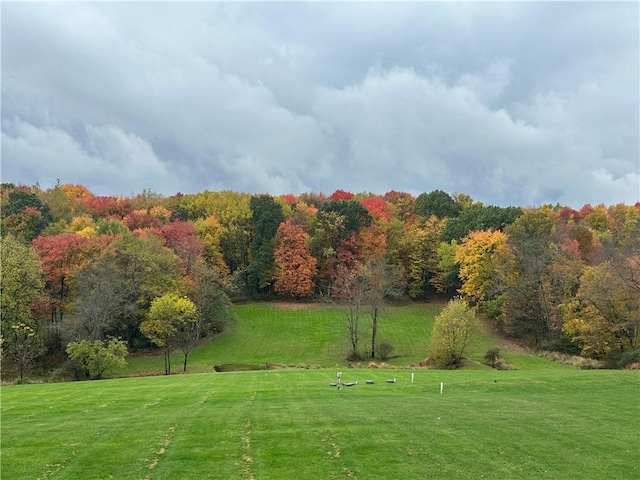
{"x":293,"y":305}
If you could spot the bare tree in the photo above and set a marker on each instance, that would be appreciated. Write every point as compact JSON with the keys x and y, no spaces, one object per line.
{"x":349,"y":289}
{"x":101,"y":295}
{"x":381,"y":282}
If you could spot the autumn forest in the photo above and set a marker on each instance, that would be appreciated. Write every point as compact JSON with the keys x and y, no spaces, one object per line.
{"x":79,"y":268}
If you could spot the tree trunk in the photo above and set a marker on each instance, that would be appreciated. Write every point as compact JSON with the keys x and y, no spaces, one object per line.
{"x":167,"y":361}
{"x":374,"y":331}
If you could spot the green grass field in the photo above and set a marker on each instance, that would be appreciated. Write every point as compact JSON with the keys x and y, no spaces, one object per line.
{"x":290,"y":424}
{"x":543,"y":421}
{"x":309,"y":334}
{"x":315,"y":335}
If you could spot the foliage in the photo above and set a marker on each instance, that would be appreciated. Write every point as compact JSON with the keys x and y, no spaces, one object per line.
{"x":540,"y":280}
{"x":528,"y":289}
{"x":98,"y":357}
{"x":24,"y":214}
{"x":148,"y":270}
{"x":21,"y":283}
{"x":295,"y":267}
{"x":61,"y":256}
{"x":209,"y":294}
{"x":476,"y":216}
{"x":480,"y":256}
{"x":420,"y":246}
{"x":452,"y":331}
{"x":447,"y":273}
{"x":21,"y":280}
{"x":20,"y":347}
{"x":437,"y":203}
{"x":605,"y":316}
{"x":266,"y":216}
{"x":355,"y":215}
{"x":172,"y":321}
{"x":182,"y":238}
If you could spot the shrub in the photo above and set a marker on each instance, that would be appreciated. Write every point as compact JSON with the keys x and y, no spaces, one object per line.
{"x":384,"y":349}
{"x":493,"y":359}
{"x":97,"y":357}
{"x":573,"y":360}
{"x":452,"y":330}
{"x":623,"y":359}
{"x":562,"y":344}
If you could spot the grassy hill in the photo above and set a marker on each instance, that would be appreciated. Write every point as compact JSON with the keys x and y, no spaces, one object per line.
{"x":315,"y":335}
{"x":543,"y":421}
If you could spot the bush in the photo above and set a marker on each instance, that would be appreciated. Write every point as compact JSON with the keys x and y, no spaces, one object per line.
{"x":97,"y":357}
{"x":573,"y":360}
{"x":384,"y":349}
{"x":623,"y":359}
{"x":562,"y":344}
{"x":493,"y":359}
{"x":452,"y":330}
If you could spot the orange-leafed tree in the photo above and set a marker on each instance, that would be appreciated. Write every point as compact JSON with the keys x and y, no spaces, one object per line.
{"x":295,"y":266}
{"x":372,"y":241}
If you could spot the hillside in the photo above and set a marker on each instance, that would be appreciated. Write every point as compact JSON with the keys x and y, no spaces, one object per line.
{"x":314,"y":335}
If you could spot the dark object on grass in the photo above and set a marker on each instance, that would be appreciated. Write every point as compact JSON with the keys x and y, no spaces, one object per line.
{"x":391,"y":380}
{"x":242,"y":367}
{"x":370,"y":382}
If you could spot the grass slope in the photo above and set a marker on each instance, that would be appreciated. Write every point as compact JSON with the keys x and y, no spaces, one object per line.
{"x":287,"y":424}
{"x":291,"y":334}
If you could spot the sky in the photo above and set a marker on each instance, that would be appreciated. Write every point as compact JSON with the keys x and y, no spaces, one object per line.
{"x":512,"y":103}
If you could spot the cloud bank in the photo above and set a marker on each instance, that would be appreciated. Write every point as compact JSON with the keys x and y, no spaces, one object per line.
{"x":512,"y":103}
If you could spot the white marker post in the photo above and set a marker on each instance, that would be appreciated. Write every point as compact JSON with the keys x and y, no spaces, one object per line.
{"x":441,"y":387}
{"x":411,"y":377}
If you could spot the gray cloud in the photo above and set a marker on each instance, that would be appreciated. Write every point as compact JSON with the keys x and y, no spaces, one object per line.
{"x":513,"y":103}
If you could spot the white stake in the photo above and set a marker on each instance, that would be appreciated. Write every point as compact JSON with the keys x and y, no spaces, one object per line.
{"x":411,"y":377}
{"x":441,"y":387}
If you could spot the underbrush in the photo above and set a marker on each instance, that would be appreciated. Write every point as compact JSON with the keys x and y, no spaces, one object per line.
{"x":573,"y":360}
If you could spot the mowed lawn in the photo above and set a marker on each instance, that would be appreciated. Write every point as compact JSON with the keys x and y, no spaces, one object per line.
{"x":301,"y":334}
{"x":291,"y":424}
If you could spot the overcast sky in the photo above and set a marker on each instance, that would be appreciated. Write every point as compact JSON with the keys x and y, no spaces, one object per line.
{"x":512,"y":103}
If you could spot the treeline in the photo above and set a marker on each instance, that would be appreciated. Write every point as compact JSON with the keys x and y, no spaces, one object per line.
{"x":89,"y":267}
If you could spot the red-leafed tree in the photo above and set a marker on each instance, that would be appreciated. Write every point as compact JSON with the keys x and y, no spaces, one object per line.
{"x":295,"y":266}
{"x":183,"y":239}
{"x":140,"y":219}
{"x":60,"y":256}
{"x":289,"y":198}
{"x":341,"y":195}
{"x":99,"y":206}
{"x":376,"y":207}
